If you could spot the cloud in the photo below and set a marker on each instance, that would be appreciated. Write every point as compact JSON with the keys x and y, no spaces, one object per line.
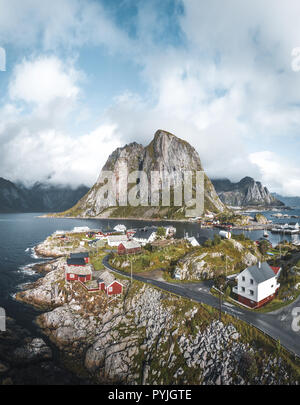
{"x":57,"y":157}
{"x":279,"y":173}
{"x":43,"y":80}
{"x":59,"y":23}
{"x":219,"y":77}
{"x":35,"y":143}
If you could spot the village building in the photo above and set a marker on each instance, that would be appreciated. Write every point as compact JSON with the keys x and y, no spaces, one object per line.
{"x":120,"y":228}
{"x":161,"y":244}
{"x":115,"y":240}
{"x":130,"y":233}
{"x":108,"y":283}
{"x":129,"y":247}
{"x":78,"y":270}
{"x":257,"y":285}
{"x":81,"y":255}
{"x":145,"y":235}
{"x":192,"y":240}
{"x":170,"y":231}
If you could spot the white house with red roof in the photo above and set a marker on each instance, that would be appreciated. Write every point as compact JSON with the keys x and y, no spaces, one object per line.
{"x":257,"y":285}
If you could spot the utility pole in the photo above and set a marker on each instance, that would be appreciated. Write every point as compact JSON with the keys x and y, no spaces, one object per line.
{"x":130,"y":271}
{"x":220,"y":299}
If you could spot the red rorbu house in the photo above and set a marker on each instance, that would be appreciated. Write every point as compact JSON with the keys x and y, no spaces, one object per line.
{"x":78,"y":270}
{"x":81,"y":255}
{"x":112,"y":289}
{"x":129,"y":247}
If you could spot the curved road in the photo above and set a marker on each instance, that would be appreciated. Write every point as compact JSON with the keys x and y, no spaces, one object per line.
{"x":277,"y":324}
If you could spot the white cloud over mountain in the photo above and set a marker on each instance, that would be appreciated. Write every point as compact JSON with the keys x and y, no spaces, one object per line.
{"x":226,"y":86}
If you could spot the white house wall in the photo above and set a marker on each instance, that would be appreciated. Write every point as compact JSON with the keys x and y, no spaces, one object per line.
{"x":248,"y":286}
{"x":267,"y":288}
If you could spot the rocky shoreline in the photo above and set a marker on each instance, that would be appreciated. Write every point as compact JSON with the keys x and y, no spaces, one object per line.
{"x":146,"y":337}
{"x":28,"y":360}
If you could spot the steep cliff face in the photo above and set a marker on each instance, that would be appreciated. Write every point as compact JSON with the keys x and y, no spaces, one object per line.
{"x":166,"y":154}
{"x":12,"y":198}
{"x":38,"y":198}
{"x":246,"y":192}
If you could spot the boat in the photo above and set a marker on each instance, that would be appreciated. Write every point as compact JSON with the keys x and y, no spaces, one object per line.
{"x":266,"y":235}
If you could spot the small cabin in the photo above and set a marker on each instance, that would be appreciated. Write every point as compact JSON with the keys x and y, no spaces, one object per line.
{"x":78,"y":273}
{"x":112,"y":289}
{"x":130,"y":247}
{"x":81,"y":255}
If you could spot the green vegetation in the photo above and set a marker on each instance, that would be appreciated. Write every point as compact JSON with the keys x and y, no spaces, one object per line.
{"x":165,"y":258}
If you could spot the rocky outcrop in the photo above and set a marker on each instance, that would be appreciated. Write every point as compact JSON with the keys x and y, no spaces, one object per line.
{"x":166,"y":154}
{"x":260,"y":218}
{"x":245,"y":193}
{"x":229,"y":256}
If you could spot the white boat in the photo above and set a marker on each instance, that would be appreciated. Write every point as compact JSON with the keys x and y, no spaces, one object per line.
{"x":266,"y":235}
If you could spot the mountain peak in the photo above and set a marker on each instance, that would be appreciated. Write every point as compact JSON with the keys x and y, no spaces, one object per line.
{"x":166,"y":153}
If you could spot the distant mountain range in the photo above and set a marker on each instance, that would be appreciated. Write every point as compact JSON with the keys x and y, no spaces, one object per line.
{"x":38,"y":198}
{"x":245,"y":193}
{"x":293,"y":202}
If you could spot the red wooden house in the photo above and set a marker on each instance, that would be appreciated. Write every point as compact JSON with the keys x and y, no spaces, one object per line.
{"x":81,"y":255}
{"x":77,"y":269}
{"x":129,"y":247}
{"x":112,"y":289}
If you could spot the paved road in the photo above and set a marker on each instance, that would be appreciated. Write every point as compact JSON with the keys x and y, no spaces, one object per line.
{"x":276,"y":324}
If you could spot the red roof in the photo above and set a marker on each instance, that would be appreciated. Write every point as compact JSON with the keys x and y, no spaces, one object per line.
{"x":275,"y":269}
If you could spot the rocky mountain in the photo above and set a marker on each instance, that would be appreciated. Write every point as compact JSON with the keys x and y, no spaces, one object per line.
{"x":38,"y":198}
{"x":246,"y":192}
{"x":166,"y":154}
{"x":12,"y":198}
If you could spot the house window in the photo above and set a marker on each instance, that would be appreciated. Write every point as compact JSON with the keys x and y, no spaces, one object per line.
{"x":251,"y":292}
{"x":72,"y":275}
{"x":243,"y":289}
{"x":243,"y":278}
{"x":272,"y":286}
{"x":251,"y":280}
{"x":110,"y":289}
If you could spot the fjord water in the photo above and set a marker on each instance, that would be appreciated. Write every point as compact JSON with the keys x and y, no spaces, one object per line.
{"x":19,"y":233}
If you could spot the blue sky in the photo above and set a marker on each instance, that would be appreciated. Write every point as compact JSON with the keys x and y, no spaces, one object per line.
{"x":84,"y":77}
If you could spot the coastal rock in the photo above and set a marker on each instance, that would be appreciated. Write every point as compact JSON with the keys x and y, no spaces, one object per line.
{"x":36,"y":349}
{"x":260,"y":218}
